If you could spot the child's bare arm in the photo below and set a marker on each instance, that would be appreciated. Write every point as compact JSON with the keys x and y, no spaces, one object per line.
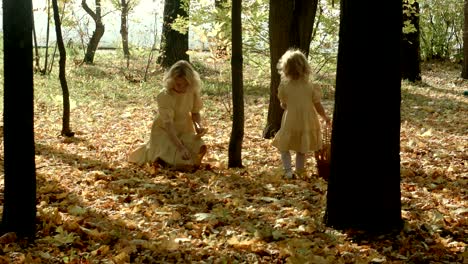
{"x":197,"y":123}
{"x":169,"y":126}
{"x":321,"y":112}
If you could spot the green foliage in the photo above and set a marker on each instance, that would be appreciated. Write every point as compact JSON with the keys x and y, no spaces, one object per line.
{"x":441,"y":24}
{"x":324,"y":45}
{"x":409,"y":11}
{"x":181,"y":24}
{"x":213,"y":25}
{"x":131,"y":4}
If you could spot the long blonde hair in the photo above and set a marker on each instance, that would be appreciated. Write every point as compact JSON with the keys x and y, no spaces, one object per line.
{"x":182,"y":69}
{"x":293,"y":65}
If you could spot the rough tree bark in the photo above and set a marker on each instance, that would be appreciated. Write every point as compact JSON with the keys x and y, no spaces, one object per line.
{"x":290,"y":25}
{"x":364,"y":185}
{"x":174,"y":45}
{"x":465,"y":43}
{"x":19,"y":205}
{"x":410,"y":51}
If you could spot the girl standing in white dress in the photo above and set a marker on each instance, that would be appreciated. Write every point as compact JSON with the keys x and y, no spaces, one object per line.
{"x":301,"y":100}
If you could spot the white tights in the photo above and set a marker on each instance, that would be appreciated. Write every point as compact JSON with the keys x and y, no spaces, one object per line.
{"x":286,"y":158}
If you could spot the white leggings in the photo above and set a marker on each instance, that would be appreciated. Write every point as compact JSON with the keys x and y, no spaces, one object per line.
{"x":286,"y":158}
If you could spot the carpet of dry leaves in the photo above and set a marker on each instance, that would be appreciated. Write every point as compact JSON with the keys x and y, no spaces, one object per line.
{"x":94,"y":207}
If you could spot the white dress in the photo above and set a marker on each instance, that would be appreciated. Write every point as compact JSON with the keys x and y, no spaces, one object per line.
{"x":300,"y":127}
{"x":177,"y":108}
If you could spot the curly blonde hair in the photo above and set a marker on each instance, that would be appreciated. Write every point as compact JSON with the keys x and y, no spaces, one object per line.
{"x":293,"y":65}
{"x":182,"y":69}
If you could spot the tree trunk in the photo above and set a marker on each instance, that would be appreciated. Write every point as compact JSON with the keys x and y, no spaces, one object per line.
{"x":98,"y":32}
{"x":19,"y":206}
{"x":66,"y":131}
{"x":46,"y":56}
{"x":290,"y":25}
{"x":465,"y":43}
{"x":174,"y":45}
{"x":410,"y":45}
{"x":364,"y":185}
{"x":237,"y":133}
{"x":37,"y":66}
{"x":124,"y":28}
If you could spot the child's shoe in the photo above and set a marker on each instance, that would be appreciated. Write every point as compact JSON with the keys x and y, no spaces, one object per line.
{"x":289,"y":175}
{"x":301,"y":173}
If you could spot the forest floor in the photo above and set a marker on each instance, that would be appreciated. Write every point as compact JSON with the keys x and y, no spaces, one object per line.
{"x":95,"y":207}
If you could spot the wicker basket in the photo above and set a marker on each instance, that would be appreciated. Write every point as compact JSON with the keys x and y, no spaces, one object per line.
{"x":322,"y":156}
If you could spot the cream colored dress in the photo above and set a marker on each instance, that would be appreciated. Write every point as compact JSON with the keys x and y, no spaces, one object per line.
{"x":300,"y":128}
{"x":177,"y":108}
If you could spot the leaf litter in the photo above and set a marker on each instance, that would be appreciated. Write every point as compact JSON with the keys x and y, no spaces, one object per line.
{"x":95,"y":207}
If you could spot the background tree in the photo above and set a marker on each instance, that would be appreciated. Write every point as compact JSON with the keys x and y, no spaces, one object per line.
{"x":465,"y":42}
{"x":237,"y":133}
{"x":174,"y":42}
{"x":220,"y":3}
{"x":441,"y":25}
{"x":410,"y":51}
{"x":290,"y":25}
{"x":37,"y":66}
{"x":364,"y":184}
{"x":46,"y":56}
{"x":125,"y":7}
{"x":19,"y":206}
{"x":66,"y":131}
{"x":220,"y":48}
{"x":98,"y":32}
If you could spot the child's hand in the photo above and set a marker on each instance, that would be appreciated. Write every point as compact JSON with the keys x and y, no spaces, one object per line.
{"x":186,"y":155}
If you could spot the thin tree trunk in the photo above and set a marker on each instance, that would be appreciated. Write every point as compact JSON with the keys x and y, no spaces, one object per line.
{"x":46,"y":57}
{"x":465,"y":43}
{"x":19,"y":206}
{"x":237,"y":133}
{"x":98,"y":32}
{"x":124,"y":29}
{"x":51,"y":66}
{"x":36,"y":48}
{"x":153,"y":47}
{"x":66,"y":131}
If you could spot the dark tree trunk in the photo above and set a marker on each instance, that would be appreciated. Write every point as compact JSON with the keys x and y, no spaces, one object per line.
{"x":290,"y":25}
{"x":465,"y":43}
{"x":237,"y":133}
{"x":364,"y":185}
{"x":98,"y":32}
{"x":19,"y":206}
{"x":410,"y":53}
{"x":174,"y":45}
{"x":123,"y":27}
{"x":46,"y":56}
{"x":66,"y":131}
